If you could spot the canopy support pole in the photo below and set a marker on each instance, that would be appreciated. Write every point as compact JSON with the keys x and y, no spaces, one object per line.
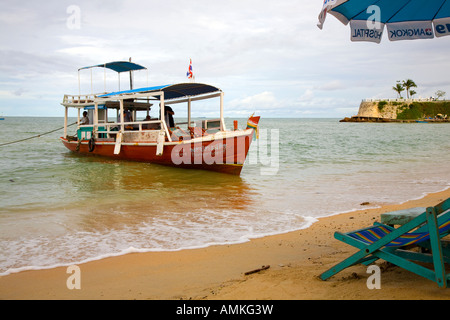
{"x":222,"y":122}
{"x":122,"y":126}
{"x":104,"y":78}
{"x":189,"y":112}
{"x":163,"y":116}
{"x":79,"y":84}
{"x":66,"y":113}
{"x":94,"y":132}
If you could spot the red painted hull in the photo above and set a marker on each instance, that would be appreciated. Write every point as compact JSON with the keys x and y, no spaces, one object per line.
{"x":225,"y":155}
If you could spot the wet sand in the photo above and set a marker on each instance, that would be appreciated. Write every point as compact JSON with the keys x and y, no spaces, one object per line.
{"x":296,"y":259}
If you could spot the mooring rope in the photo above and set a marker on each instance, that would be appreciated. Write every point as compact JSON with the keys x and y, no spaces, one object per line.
{"x":36,"y":136}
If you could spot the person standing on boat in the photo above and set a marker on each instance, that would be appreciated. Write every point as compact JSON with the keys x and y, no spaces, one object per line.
{"x":127,"y":116}
{"x":85,"y":119}
{"x":169,"y":116}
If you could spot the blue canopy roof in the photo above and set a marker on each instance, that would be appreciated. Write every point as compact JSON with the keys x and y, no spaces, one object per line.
{"x":118,"y":66}
{"x":171,"y":91}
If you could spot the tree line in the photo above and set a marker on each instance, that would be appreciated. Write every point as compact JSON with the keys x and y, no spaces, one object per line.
{"x":407,"y":84}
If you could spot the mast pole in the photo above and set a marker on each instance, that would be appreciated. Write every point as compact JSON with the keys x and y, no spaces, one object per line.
{"x":79,"y":85}
{"x":131,"y":78}
{"x":104,"y":78}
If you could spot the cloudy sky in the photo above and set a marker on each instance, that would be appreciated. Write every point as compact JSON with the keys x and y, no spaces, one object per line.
{"x":268,"y":56}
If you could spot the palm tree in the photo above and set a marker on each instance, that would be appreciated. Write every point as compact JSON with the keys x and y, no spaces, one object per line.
{"x":399,"y":88}
{"x":408,"y":84}
{"x":412,"y":92}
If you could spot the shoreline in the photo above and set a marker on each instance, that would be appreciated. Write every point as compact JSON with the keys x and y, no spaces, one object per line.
{"x":295,"y":258}
{"x":309,"y":221}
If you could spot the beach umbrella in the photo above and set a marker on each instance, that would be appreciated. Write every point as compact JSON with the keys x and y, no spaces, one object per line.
{"x":404,"y":19}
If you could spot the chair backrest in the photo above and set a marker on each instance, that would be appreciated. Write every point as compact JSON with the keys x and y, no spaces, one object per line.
{"x":375,"y":233}
{"x":443,"y":215}
{"x":443,"y":206}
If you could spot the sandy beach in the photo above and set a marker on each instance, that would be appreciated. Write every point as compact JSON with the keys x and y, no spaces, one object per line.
{"x":296,"y":259}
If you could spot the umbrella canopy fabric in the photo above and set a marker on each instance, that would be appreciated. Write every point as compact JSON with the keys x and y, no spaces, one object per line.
{"x":404,"y":19}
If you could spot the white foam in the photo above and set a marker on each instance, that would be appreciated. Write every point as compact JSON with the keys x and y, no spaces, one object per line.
{"x":80,"y":247}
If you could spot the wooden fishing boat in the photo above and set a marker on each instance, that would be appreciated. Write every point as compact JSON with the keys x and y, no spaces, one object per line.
{"x":113,"y":130}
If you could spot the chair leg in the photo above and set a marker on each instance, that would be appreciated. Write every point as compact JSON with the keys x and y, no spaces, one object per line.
{"x":358,"y":257}
{"x":350,"y":261}
{"x":375,"y":251}
{"x":436,"y":248}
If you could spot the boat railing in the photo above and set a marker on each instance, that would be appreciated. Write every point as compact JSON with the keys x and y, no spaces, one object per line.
{"x":81,"y":100}
{"x":187,"y":124}
{"x":110,"y":129}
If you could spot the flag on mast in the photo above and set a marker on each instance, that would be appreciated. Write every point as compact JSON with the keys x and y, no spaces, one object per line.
{"x":190,"y":73}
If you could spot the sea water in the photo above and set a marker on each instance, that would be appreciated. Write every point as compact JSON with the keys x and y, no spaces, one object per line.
{"x":58,"y":208}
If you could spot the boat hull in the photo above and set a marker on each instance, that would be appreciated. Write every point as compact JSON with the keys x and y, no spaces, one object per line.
{"x":224,"y":154}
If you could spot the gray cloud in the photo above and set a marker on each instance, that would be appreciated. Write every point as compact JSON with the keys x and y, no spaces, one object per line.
{"x":268,"y":56}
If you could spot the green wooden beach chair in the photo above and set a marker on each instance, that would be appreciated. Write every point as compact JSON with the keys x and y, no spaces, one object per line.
{"x":394,"y":245}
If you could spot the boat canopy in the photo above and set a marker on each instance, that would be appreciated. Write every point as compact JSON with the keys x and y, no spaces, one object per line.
{"x":118,"y":66}
{"x":171,"y":91}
